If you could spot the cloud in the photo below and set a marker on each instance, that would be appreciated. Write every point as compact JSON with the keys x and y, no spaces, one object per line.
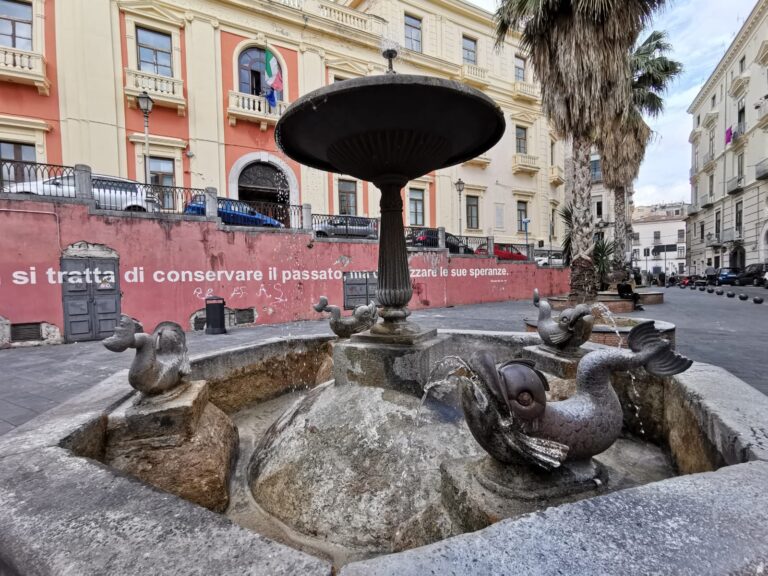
{"x":700,"y":32}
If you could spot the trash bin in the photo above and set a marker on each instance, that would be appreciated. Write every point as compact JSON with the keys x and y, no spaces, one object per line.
{"x":214,"y":315}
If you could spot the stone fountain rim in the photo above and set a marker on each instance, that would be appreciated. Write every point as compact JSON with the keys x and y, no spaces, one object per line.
{"x":403,"y":81}
{"x":661,"y":325}
{"x":45,"y":535}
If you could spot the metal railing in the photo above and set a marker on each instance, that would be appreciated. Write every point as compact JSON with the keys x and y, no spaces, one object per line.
{"x":473,"y":243}
{"x":422,"y":236}
{"x":289,"y":215}
{"x":761,"y":170}
{"x":597,"y":175}
{"x":35,"y":178}
{"x":346,"y":226}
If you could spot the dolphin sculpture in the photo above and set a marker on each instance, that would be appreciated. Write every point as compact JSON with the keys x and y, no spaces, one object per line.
{"x":508,"y":414}
{"x":567,"y":332}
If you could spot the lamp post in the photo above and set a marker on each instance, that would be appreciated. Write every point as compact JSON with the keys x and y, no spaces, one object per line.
{"x":459,"y":188}
{"x":144,"y":102}
{"x":527,"y":221}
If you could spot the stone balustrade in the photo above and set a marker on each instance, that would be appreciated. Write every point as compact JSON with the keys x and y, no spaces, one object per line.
{"x":253,"y":108}
{"x":164,"y":90}
{"x":24,"y":67}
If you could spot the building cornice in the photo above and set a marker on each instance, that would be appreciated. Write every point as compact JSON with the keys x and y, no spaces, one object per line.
{"x":752,"y":21}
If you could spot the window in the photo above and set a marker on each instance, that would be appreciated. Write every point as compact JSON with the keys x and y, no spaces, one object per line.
{"x":15,"y":152}
{"x":500,"y":216}
{"x":713,"y":101}
{"x":522,"y":215}
{"x":551,"y":153}
{"x":717,"y":224}
{"x":347,"y":197}
{"x":599,"y":209}
{"x":252,"y":73}
{"x":552,"y":223}
{"x":519,"y":69}
{"x":521,"y":136}
{"x":712,"y":141}
{"x":596,"y":169}
{"x":681,"y":235}
{"x":154,"y":52}
{"x":701,"y":230}
{"x":16,"y":24}
{"x":742,"y":64}
{"x":161,"y":173}
{"x":469,"y":50}
{"x":711,"y":184}
{"x":657,"y":236}
{"x":635,"y":238}
{"x":636,"y":254}
{"x":740,"y":165}
{"x":680,"y":268}
{"x":413,"y":33}
{"x":646,"y":252}
{"x":473,"y":212}
{"x":681,"y":251}
{"x":739,"y":217}
{"x":741,"y":116}
{"x":416,"y":206}
{"x":698,"y":120}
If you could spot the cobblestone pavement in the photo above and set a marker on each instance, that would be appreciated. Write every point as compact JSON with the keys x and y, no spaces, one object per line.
{"x":710,"y":328}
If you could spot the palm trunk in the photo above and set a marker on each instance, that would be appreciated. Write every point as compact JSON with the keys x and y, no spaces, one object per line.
{"x":620,"y":227}
{"x":583,"y":280}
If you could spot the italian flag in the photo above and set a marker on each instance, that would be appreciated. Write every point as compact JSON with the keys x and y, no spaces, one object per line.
{"x":274,"y":75}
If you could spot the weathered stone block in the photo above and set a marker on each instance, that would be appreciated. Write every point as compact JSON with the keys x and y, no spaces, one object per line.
{"x":179,"y":442}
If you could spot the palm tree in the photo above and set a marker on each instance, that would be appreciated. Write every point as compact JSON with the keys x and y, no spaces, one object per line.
{"x":623,"y":140}
{"x":566,"y":214}
{"x":579,"y":53}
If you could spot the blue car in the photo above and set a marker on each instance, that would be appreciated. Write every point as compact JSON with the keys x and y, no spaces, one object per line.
{"x":726,"y":276}
{"x":233,"y":212}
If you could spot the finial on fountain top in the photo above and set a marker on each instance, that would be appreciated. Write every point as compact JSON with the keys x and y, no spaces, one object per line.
{"x":390,"y":50}
{"x":161,"y":360}
{"x":567,"y":332}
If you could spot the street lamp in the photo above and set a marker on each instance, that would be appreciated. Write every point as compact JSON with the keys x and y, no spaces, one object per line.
{"x":144,"y":102}
{"x":527,"y":221}
{"x":459,"y":188}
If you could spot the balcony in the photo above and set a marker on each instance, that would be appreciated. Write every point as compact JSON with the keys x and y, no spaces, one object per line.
{"x":349,"y":18}
{"x":761,"y":170}
{"x":253,"y":109}
{"x":762,"y":54}
{"x":525,"y":163}
{"x":739,"y":85}
{"x":165,"y":91}
{"x":735,"y":185}
{"x":710,"y":118}
{"x":708,"y":201}
{"x":739,"y":135}
{"x":693,"y":174}
{"x":731,"y":235}
{"x":526,"y":91}
{"x":475,"y":75}
{"x":479,"y":161}
{"x":23,"y":67}
{"x":695,"y":135}
{"x":762,"y":114}
{"x":556,"y":175}
{"x":693,"y":209}
{"x":714,"y":240}
{"x":708,"y":160}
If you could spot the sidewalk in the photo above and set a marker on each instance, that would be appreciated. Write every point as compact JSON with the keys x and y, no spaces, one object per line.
{"x":33,"y":380}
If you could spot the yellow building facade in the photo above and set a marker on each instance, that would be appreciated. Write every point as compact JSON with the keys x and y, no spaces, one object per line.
{"x":68,"y":96}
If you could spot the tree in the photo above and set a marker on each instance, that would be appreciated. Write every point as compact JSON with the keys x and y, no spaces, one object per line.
{"x":601,"y":254}
{"x":623,"y":140}
{"x":579,"y":53}
{"x":566,"y":214}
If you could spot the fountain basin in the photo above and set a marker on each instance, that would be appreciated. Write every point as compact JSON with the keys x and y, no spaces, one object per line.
{"x":611,"y":301}
{"x":707,"y":418}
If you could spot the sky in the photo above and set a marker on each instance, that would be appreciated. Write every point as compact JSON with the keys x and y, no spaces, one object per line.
{"x":700,"y":31}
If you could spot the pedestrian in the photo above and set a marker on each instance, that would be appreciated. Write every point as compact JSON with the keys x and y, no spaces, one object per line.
{"x":662,"y":279}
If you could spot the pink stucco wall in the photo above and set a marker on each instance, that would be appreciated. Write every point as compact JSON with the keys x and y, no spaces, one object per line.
{"x":33,"y":234}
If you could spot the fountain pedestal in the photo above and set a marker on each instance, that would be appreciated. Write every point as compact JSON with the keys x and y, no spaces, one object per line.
{"x":397,"y":362}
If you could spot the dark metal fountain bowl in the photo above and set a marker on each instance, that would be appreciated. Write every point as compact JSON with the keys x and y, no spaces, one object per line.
{"x":392,"y":125}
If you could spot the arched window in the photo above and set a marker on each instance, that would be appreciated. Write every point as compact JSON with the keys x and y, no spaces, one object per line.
{"x":253,"y":73}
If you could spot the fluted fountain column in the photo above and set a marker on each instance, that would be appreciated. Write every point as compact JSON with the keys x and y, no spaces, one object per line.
{"x":394,"y":288}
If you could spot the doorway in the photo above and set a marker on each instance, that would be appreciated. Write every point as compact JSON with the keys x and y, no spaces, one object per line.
{"x":91,"y":297}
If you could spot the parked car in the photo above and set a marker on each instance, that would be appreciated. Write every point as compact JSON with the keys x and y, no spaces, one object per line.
{"x":233,"y":212}
{"x":109,"y":192}
{"x":726,"y":276}
{"x":547,"y":261}
{"x":428,"y":238}
{"x":753,"y":274}
{"x":502,"y":252}
{"x":347,"y":226}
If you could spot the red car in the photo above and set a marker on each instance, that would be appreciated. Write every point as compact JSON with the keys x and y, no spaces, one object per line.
{"x":501,"y":252}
